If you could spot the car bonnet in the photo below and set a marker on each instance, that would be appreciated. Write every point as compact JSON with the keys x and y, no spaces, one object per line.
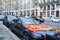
{"x":39,"y":27}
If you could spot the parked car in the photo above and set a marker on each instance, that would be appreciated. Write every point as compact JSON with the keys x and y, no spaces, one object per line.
{"x":57,"y":31}
{"x":8,"y":19}
{"x":31,"y":29}
{"x":55,"y":19}
{"x":41,"y":20}
{"x":1,"y":17}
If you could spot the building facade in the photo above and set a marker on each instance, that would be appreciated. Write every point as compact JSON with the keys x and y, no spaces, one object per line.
{"x":18,"y":7}
{"x":49,"y":8}
{"x":44,"y":8}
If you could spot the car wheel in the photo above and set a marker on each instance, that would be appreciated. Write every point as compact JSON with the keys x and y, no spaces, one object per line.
{"x":25,"y":36}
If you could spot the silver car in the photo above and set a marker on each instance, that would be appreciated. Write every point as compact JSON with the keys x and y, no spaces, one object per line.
{"x":55,"y":19}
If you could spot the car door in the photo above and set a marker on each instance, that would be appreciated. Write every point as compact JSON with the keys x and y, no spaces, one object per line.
{"x":19,"y":28}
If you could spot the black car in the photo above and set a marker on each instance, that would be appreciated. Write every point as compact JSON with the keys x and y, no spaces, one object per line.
{"x":29,"y":29}
{"x":41,"y":20}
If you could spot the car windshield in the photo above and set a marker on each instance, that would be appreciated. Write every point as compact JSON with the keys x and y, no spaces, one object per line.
{"x":28,"y":21}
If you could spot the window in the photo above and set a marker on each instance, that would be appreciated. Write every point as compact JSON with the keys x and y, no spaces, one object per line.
{"x":52,"y":13}
{"x":58,"y":5}
{"x":48,"y":8}
{"x":53,"y":7}
{"x":44,"y":7}
{"x":21,"y":13}
{"x":48,"y":13}
{"x":28,"y":13}
{"x":32,"y":12}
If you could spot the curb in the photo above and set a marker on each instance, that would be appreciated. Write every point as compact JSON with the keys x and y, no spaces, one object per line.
{"x":11,"y":33}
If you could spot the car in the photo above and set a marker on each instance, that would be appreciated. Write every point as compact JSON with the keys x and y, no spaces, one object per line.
{"x":55,"y":19}
{"x":1,"y":17}
{"x":8,"y":19}
{"x":57,"y":31}
{"x":53,"y":34}
{"x":30,"y":29}
{"x":41,"y":20}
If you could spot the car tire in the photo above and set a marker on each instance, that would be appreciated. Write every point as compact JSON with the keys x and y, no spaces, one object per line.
{"x":25,"y":36}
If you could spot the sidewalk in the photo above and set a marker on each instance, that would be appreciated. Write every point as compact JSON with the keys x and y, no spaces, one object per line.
{"x":6,"y":34}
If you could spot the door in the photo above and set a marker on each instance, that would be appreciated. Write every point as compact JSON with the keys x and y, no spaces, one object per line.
{"x":57,"y":13}
{"x":17,"y":27}
{"x":36,"y":13}
{"x":40,"y":14}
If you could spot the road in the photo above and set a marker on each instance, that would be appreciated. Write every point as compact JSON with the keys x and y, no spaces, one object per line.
{"x":52,"y":24}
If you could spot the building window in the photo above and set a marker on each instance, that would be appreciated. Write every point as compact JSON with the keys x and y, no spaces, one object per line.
{"x":44,"y":7}
{"x":12,"y":13}
{"x":48,"y":8}
{"x":32,"y":12}
{"x":52,"y":12}
{"x":28,"y":13}
{"x":53,"y":7}
{"x":21,"y":13}
{"x":48,"y":13}
{"x":58,"y":5}
{"x":44,"y":14}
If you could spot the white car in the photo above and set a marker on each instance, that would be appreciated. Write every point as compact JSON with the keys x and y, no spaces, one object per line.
{"x":55,"y":19}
